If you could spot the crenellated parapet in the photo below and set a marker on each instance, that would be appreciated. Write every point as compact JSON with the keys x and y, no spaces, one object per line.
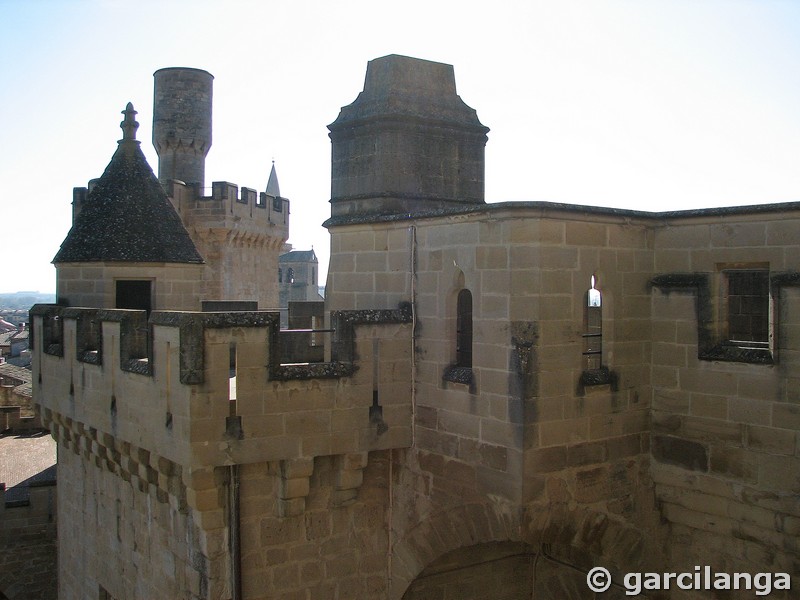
{"x":231,"y":207}
{"x":239,"y":233}
{"x":210,"y":389}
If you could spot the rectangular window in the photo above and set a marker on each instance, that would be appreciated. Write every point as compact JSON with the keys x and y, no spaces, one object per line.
{"x":135,"y":294}
{"x":748,"y":306}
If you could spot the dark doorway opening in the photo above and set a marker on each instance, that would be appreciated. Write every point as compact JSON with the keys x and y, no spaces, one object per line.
{"x":135,"y":294}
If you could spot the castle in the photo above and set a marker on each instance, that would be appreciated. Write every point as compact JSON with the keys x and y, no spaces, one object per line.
{"x":508,"y":394}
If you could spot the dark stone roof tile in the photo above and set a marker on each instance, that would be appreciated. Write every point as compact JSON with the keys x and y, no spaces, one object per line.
{"x":127,"y":217}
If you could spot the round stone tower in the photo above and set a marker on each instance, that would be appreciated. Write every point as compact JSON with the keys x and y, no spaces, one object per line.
{"x":182,"y":123}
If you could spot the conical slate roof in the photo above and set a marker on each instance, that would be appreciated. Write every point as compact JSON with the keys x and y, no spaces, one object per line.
{"x":127,"y":215}
{"x":273,"y":189}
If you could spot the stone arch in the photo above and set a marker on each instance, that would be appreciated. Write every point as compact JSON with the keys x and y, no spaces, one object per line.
{"x":591,"y":534}
{"x":445,"y":531}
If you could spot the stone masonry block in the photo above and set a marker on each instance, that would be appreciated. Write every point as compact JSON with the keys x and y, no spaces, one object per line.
{"x":491,"y":257}
{"x":291,"y":507}
{"x":736,"y":463}
{"x":344,"y":497}
{"x":680,"y":452}
{"x":697,"y":520}
{"x":546,"y":460}
{"x":786,"y":416}
{"x":713,"y":430}
{"x":296,"y":468}
{"x":586,"y":234}
{"x":586,"y":453}
{"x":783,"y":233}
{"x":354,"y":460}
{"x":294,"y":488}
{"x":749,"y":411}
{"x":347,"y":480}
{"x":771,"y":439}
{"x":203,"y":500}
{"x":307,"y":422}
{"x":556,"y":259}
{"x":780,"y":473}
{"x":277,"y":531}
{"x":715,"y":407}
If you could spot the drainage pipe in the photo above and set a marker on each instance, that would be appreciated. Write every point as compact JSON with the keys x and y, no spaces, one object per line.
{"x":235,"y":539}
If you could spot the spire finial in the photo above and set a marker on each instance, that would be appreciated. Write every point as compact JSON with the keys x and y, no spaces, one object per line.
{"x":273,"y":189}
{"x":129,"y":124}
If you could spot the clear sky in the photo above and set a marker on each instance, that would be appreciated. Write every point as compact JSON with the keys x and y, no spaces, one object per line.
{"x":644,"y":104}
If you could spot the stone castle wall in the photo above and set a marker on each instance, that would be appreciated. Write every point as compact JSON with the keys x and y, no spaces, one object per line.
{"x":176,"y":286}
{"x":725,"y":434}
{"x":240,"y":234}
{"x":151,"y":428}
{"x":707,"y":446}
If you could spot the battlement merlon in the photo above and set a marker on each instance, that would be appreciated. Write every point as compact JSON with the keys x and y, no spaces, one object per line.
{"x":163,"y":384}
{"x":228,"y":205}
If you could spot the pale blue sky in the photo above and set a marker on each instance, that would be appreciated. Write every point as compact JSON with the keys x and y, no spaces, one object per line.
{"x":645,"y":104}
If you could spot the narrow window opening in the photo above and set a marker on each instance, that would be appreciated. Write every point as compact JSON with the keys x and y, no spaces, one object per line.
{"x":232,"y":382}
{"x":280,"y":275}
{"x":233,"y":422}
{"x":376,"y":410}
{"x":464,"y":329}
{"x":290,"y":275}
{"x":593,"y":332}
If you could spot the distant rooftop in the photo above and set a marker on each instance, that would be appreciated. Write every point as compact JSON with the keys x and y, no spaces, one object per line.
{"x":27,"y":459}
{"x":298,"y":256}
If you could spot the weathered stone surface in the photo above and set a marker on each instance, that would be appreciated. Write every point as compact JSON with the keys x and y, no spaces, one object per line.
{"x":677,"y":451}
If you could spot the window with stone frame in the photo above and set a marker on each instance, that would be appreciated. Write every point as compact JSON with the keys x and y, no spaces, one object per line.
{"x":746,"y":307}
{"x":594,"y":372}
{"x":460,"y":370}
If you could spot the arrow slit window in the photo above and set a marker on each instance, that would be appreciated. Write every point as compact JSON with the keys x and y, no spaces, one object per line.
{"x":464,"y":329}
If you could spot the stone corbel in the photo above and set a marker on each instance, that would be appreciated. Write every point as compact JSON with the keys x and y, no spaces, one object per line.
{"x":294,"y":485}
{"x":349,"y":477}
